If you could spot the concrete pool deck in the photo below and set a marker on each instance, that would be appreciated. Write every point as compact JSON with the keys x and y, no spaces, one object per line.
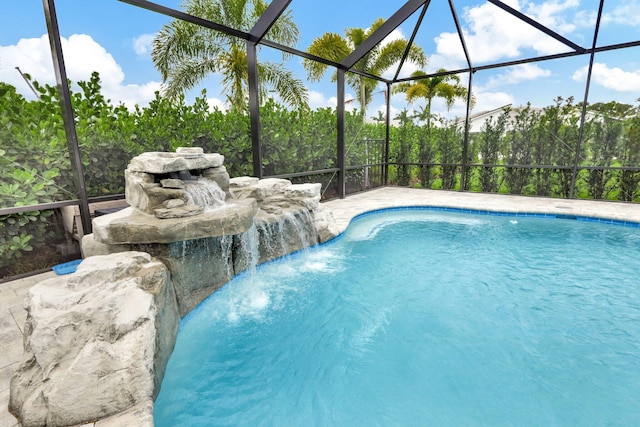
{"x":13,"y":315}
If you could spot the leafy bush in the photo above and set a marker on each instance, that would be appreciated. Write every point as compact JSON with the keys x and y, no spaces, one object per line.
{"x":36,"y":167}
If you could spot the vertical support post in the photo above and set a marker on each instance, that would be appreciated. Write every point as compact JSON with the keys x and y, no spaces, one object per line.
{"x":254,"y":109}
{"x":576,"y":160}
{"x":465,"y":144}
{"x":340,"y":142}
{"x":387,"y":121}
{"x":67,"y":111}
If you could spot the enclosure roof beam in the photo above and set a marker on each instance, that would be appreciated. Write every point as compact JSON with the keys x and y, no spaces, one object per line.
{"x":524,"y":61}
{"x":66,"y":106}
{"x":167,"y":11}
{"x":268,"y":19}
{"x":389,"y":25}
{"x":412,"y":38}
{"x":164,"y":10}
{"x":583,"y":114}
{"x":460,"y":33}
{"x":537,"y":25}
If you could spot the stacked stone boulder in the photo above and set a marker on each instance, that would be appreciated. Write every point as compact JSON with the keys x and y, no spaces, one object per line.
{"x":154,"y":181}
{"x":97,"y":342}
{"x":289,"y":216}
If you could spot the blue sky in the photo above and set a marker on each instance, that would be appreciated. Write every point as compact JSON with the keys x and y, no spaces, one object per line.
{"x":113,"y":38}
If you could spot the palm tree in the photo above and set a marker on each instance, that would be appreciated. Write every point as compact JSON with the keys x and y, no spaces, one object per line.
{"x":443,"y":86}
{"x":185,"y":53}
{"x":336,"y":48}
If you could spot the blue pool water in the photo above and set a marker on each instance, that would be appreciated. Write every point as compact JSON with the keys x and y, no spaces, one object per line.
{"x":422,"y":318}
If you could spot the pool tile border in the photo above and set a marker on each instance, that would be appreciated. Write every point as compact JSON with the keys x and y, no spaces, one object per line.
{"x":583,"y":218}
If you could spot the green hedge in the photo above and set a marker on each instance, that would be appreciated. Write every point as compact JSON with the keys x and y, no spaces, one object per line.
{"x":36,"y":168}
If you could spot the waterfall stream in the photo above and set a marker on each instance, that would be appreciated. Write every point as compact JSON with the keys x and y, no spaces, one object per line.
{"x":206,"y":193}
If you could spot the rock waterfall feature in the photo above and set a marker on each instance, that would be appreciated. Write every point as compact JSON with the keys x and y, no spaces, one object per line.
{"x":97,"y":341}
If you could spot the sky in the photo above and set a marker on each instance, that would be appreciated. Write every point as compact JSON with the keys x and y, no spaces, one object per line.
{"x":114,"y":38}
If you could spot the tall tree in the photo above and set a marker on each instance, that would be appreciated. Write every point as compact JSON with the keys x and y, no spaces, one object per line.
{"x":336,"y":48}
{"x":185,"y":53}
{"x":447,"y":87}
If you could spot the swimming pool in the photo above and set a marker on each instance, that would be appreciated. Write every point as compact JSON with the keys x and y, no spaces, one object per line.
{"x":419,"y":317}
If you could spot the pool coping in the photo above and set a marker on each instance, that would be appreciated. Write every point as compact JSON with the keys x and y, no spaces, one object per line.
{"x":386,"y":198}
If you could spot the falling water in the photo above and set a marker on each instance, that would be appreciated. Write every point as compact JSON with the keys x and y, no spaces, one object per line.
{"x":206,"y":193}
{"x":293,"y":232}
{"x":249,"y":254}
{"x":307,"y":232}
{"x":226,"y":247}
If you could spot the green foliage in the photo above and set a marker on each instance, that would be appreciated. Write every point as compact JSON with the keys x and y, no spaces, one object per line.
{"x":426,"y":155}
{"x":35,"y":161}
{"x":630,"y":156}
{"x":450,"y":147}
{"x":605,"y":132}
{"x":297,"y":141}
{"x":36,"y":167}
{"x":31,"y":170}
{"x":405,"y":140}
{"x":519,"y":140}
{"x":490,"y":146}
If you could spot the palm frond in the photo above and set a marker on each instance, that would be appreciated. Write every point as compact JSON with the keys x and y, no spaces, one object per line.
{"x":235,"y":77}
{"x":374,"y":26}
{"x":331,"y":46}
{"x":185,"y":76}
{"x":356,"y":36}
{"x":292,"y":91}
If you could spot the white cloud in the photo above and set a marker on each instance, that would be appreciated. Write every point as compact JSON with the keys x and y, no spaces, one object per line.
{"x":142,"y":44}
{"x":551,"y":14}
{"x":613,"y":78}
{"x":319,"y":100}
{"x":516,"y":74}
{"x":492,"y":34}
{"x":82,"y":56}
{"x":627,"y":13}
{"x":486,"y":101}
{"x":215,"y":103}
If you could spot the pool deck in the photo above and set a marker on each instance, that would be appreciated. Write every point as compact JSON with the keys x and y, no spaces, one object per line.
{"x":13,"y":315}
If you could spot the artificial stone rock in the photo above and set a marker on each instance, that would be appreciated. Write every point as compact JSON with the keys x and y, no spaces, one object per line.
{"x":298,"y":191}
{"x":272,"y":209}
{"x":172,"y":203}
{"x":140,"y":415}
{"x":325,"y":225}
{"x":163,"y":163}
{"x":90,"y":247}
{"x":141,"y":192}
{"x":96,"y":342}
{"x":190,"y":151}
{"x":248,"y":192}
{"x":130,"y":226}
{"x":198,"y":267}
{"x":219,"y":176}
{"x":178,"y":212}
{"x":202,"y":252}
{"x":172,"y":183}
{"x":273,"y":186}
{"x":310,"y":203}
{"x":259,"y":189}
{"x":243,"y":181}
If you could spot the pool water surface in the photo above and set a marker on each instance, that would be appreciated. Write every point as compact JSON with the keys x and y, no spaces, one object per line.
{"x":417,"y":317}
